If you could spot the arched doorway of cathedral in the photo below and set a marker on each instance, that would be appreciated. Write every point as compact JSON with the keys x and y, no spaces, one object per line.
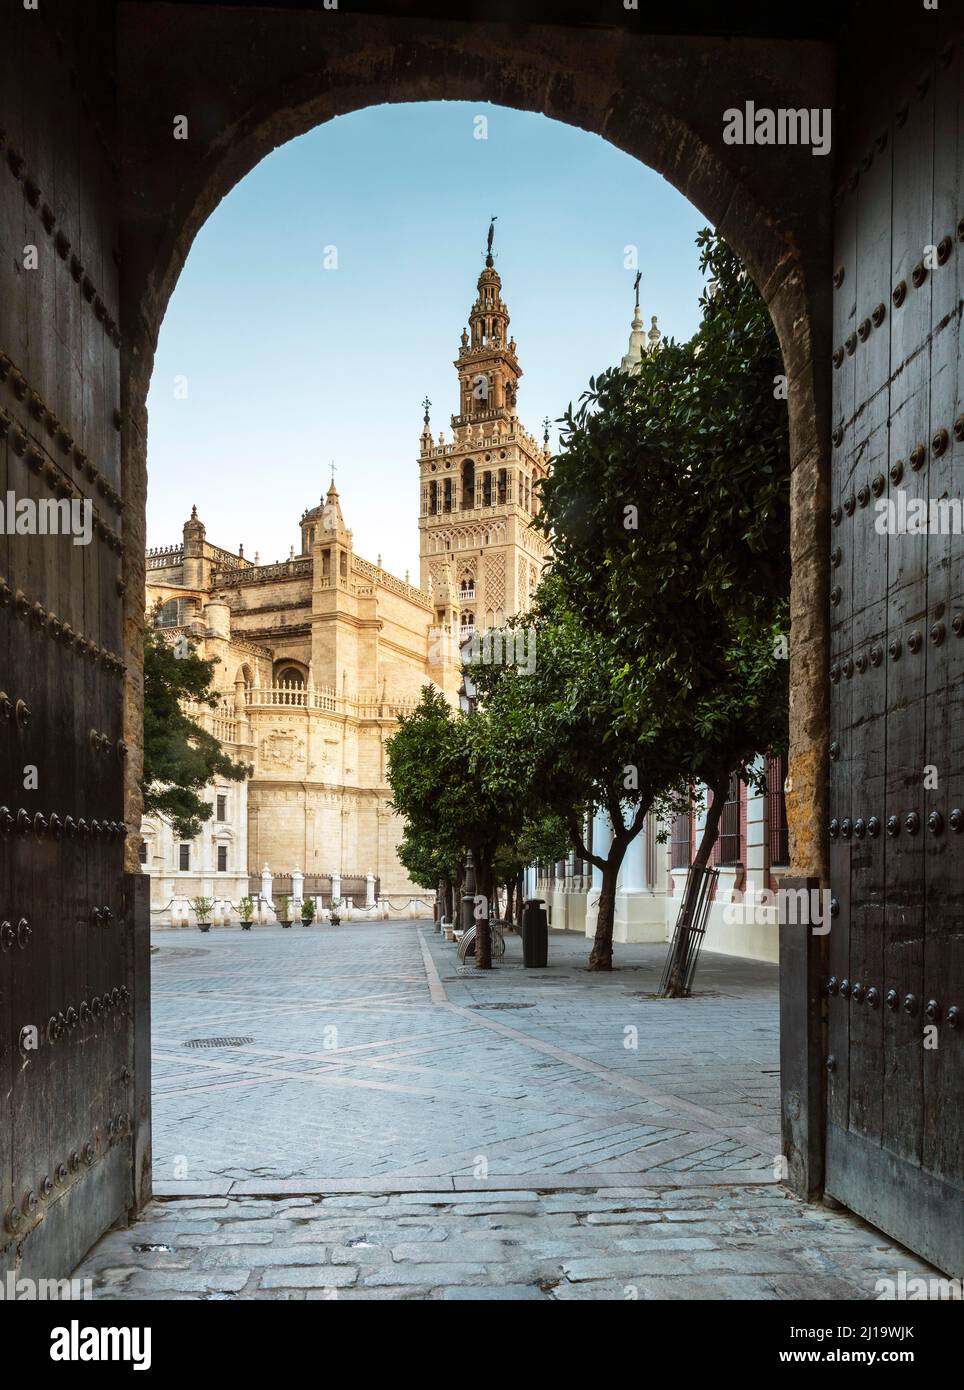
{"x":767,"y":217}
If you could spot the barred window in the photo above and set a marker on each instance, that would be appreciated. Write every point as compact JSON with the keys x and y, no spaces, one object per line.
{"x":730,"y":841}
{"x":681,"y":840}
{"x":222,"y":806}
{"x":222,"y":858}
{"x":778,"y":837}
{"x":184,"y":857}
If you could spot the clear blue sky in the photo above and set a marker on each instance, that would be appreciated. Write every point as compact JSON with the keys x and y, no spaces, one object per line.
{"x":289,"y":365}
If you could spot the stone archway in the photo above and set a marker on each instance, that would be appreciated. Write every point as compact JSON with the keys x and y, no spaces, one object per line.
{"x":249,"y":86}
{"x":93,"y":175}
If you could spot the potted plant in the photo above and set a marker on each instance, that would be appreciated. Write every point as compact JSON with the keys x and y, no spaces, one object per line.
{"x":202,"y":911}
{"x":335,"y":905}
{"x":246,"y":912}
{"x":284,"y":911}
{"x":307,"y":912}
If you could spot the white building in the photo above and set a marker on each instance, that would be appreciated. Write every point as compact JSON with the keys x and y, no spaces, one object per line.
{"x":750,"y":857}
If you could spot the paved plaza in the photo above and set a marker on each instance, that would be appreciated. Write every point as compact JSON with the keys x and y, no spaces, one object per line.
{"x":367,"y":1118}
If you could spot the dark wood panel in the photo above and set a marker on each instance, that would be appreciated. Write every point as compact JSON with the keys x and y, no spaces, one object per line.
{"x":868,"y":632}
{"x":841,"y":650}
{"x":907,"y":607}
{"x":894,"y":1147}
{"x":65,"y":1161}
{"x":943,"y":972}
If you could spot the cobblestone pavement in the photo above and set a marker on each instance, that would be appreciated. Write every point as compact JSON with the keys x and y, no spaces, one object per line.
{"x":723,"y":1242}
{"x":370,"y":1055}
{"x":399,"y":1128}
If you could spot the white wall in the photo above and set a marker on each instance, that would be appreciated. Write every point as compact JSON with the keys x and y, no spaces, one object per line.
{"x":649,"y":893}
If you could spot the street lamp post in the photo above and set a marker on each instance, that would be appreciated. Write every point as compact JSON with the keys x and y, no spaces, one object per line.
{"x":468,"y":894}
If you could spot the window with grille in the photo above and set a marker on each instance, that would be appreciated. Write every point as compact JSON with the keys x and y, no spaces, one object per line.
{"x":729,"y":839}
{"x":778,"y":836}
{"x":142,"y":852}
{"x":184,"y":857}
{"x":222,"y":806}
{"x":222,"y":858}
{"x":681,"y":840}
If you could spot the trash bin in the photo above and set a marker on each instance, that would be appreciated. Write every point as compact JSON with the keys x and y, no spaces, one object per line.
{"x":535,"y":934}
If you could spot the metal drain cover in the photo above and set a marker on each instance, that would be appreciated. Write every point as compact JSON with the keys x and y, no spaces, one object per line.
{"x":217,"y":1042}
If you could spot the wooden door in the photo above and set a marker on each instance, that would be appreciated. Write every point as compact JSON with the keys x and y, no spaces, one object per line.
{"x":896,"y":986}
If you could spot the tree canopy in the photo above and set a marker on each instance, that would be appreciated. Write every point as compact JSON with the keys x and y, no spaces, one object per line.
{"x":668,"y":502}
{"x":180,"y":758}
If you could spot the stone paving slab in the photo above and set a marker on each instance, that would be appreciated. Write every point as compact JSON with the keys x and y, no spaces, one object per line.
{"x":751,"y":1243}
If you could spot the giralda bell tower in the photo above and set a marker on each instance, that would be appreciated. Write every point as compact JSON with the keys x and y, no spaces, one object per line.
{"x":477,"y":550}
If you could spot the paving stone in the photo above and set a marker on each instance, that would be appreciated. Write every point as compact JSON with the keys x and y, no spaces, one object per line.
{"x":515,"y":1292}
{"x":203,"y":1203}
{"x":344,"y":1235}
{"x":400,"y":1292}
{"x":266,"y":1225}
{"x":529,"y":1209}
{"x":320,"y":1277}
{"x":622,"y":1218}
{"x":745,"y":1261}
{"x":361,"y":1203}
{"x":263,"y":1257}
{"x":627,"y":1267}
{"x":359,"y":1255}
{"x":709,"y":1287}
{"x":639,"y":1245}
{"x":609,"y":1290}
{"x":195,"y":1281}
{"x":151,"y":1229}
{"x":432,"y":1274}
{"x":223,"y":1238}
{"x":457,"y":1251}
{"x":818,"y":1286}
{"x":699,"y":1214}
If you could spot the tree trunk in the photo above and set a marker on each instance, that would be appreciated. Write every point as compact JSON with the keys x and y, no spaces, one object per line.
{"x":601,"y":955}
{"x":677,"y":975}
{"x":509,"y":903}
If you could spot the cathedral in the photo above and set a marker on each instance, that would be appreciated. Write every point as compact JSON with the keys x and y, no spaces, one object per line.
{"x":319,"y":655}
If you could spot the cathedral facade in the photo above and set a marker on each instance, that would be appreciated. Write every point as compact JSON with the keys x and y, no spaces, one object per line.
{"x":318,"y":656}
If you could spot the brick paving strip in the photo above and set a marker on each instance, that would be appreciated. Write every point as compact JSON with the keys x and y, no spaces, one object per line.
{"x":704,"y":1119}
{"x":612,"y":1172}
{"x":402,"y":1097}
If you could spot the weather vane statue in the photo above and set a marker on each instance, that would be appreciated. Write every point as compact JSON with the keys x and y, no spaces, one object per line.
{"x":488,"y":249}
{"x":639,"y":276}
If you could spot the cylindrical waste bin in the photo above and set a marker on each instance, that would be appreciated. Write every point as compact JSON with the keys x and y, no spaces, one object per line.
{"x":535,"y":934}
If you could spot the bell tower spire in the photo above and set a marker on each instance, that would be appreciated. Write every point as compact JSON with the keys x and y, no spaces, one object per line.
{"x":478,"y":492}
{"x":487,"y":365}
